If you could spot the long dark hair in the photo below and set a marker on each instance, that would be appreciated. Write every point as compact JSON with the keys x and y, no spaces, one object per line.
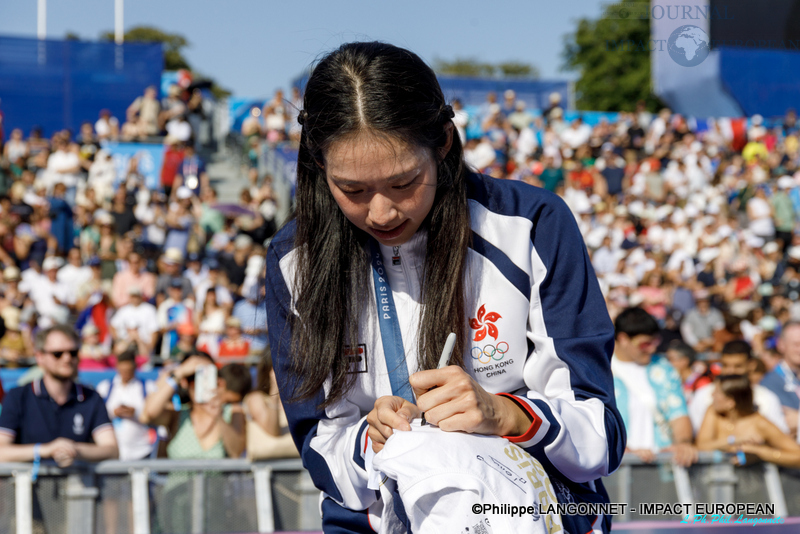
{"x":381,"y":90}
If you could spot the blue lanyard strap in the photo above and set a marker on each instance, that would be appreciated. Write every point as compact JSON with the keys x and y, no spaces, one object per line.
{"x":390,"y":328}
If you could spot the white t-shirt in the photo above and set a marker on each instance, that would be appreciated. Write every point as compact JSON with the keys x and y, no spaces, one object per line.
{"x":142,"y":317}
{"x":641,"y":403}
{"x":761,"y":221}
{"x":766,"y":401}
{"x":58,"y":162}
{"x":74,"y":277}
{"x":133,"y":437}
{"x":42,"y":293}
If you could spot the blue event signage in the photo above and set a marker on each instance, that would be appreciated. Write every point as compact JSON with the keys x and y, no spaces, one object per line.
{"x":150,"y":158}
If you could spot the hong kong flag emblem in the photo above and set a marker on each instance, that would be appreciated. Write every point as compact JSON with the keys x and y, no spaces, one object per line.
{"x":484,"y":324}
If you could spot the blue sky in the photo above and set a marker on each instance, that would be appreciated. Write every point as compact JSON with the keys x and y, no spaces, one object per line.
{"x":254,"y":46}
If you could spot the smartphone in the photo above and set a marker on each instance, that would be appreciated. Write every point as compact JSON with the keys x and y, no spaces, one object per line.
{"x":205,"y":383}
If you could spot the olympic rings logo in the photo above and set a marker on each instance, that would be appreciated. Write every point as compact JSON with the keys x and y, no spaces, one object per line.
{"x":489,"y":352}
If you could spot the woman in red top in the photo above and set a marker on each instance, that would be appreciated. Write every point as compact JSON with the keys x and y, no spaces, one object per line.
{"x":233,"y":345}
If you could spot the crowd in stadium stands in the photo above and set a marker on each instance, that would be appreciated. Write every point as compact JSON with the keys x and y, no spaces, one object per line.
{"x":690,"y":227}
{"x":167,"y":279}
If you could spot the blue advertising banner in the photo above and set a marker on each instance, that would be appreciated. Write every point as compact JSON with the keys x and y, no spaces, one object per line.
{"x":150,"y":158}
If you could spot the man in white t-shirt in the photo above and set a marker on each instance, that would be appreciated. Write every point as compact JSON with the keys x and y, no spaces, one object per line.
{"x":50,"y":297}
{"x":63,"y":165}
{"x":737,"y":359}
{"x":74,"y":274}
{"x":648,"y":391}
{"x":136,"y":322}
{"x":124,"y":396}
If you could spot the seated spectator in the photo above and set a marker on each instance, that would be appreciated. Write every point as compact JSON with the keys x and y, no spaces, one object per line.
{"x":784,"y":379}
{"x":700,"y":323}
{"x":135,"y":276}
{"x":125,"y":396}
{"x":211,"y":324}
{"x":209,"y":430}
{"x":648,"y":391}
{"x":107,"y":127}
{"x":74,"y":274}
{"x":14,"y":346}
{"x":267,"y":428}
{"x":173,"y":313}
{"x":215,"y":279}
{"x":733,"y":424}
{"x":737,"y":359}
{"x":53,"y":417}
{"x":233,"y":345}
{"x":50,"y":297}
{"x":93,"y":355}
{"x":253,"y":319}
{"x":135,"y":324}
{"x":142,"y":116}
{"x":171,"y":267}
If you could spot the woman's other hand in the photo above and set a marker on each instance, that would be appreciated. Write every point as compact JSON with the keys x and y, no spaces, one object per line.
{"x":389,"y":413}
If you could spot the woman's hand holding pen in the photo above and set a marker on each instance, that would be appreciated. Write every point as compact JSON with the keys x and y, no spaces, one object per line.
{"x":454,"y":401}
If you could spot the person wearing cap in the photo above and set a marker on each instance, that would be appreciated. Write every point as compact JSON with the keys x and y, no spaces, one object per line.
{"x":11,"y":291}
{"x":135,"y":276}
{"x":135,"y":324}
{"x":93,"y":354}
{"x":53,"y":417}
{"x":173,"y":312}
{"x":171,"y":264}
{"x":701,"y":322}
{"x":50,"y":297}
{"x":195,"y":271}
{"x":252,"y":316}
{"x":14,"y":346}
{"x":233,"y":345}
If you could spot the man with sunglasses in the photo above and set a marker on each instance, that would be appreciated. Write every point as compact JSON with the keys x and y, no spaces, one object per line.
{"x":54,"y":417}
{"x":649,"y":391}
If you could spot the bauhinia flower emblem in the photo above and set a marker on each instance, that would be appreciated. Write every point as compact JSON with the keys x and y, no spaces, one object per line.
{"x":484,"y":324}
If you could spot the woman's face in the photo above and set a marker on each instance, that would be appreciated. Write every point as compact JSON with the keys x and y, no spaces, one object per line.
{"x":382,"y":186}
{"x":721,"y":402}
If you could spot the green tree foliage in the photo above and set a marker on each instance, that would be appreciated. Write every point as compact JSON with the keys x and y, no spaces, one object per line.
{"x":173,"y":44}
{"x":612,"y":55}
{"x":477,"y":69}
{"x":173,"y":51}
{"x":72,"y":36}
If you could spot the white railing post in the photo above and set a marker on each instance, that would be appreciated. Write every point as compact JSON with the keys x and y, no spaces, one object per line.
{"x":265,"y":512}
{"x":198,"y":502}
{"x":772,"y":479}
{"x":141,"y":501}
{"x":23,"y":493}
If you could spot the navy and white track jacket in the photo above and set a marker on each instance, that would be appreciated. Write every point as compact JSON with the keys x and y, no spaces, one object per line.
{"x":539,"y":330}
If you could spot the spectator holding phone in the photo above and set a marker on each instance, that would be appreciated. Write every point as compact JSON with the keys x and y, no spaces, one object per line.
{"x":208,"y":430}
